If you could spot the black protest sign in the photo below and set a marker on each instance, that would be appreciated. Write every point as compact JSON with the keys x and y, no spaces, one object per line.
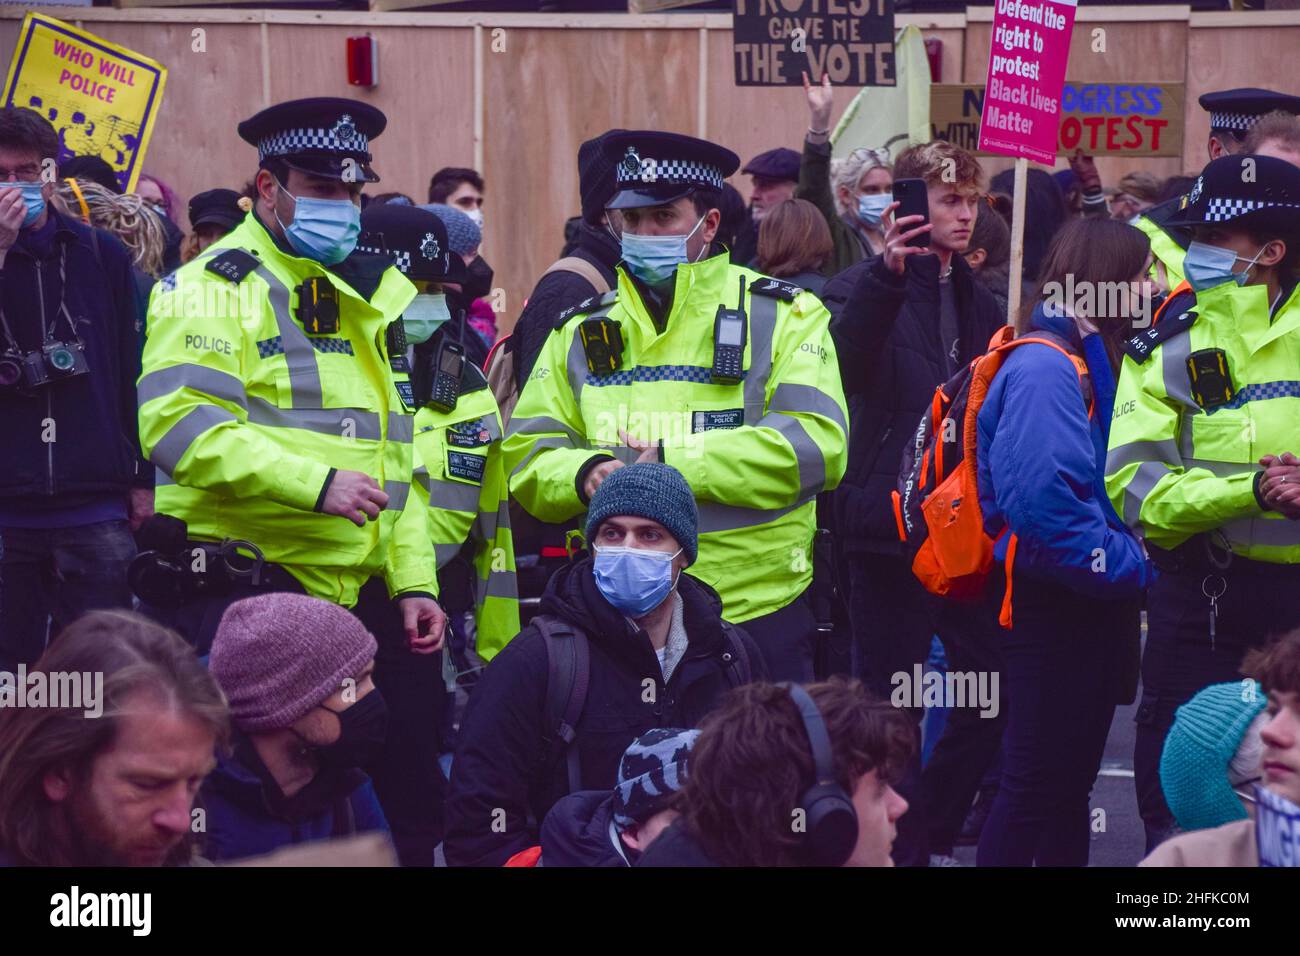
{"x":775,"y":41}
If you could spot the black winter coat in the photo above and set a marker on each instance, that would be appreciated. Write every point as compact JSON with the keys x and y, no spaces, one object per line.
{"x":501,"y":757}
{"x":577,"y":832}
{"x":886,"y":332}
{"x":675,"y":847}
{"x":559,"y":291}
{"x":96,"y":450}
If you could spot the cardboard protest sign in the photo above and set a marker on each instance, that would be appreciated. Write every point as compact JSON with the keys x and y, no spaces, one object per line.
{"x":774,"y":41}
{"x":1102,"y":119}
{"x":1022,"y":100}
{"x":101,"y":98}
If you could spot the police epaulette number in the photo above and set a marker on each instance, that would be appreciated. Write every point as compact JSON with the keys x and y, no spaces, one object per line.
{"x":233,"y":264}
{"x":775,"y":289}
{"x":1141,"y":346}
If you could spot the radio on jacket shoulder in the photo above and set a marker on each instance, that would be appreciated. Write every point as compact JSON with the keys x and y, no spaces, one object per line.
{"x":447,"y":370}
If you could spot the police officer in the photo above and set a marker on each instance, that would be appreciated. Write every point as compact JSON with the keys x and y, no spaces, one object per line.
{"x":407,"y":778}
{"x":1205,"y":424}
{"x":1232,"y":114}
{"x":459,"y":471}
{"x":728,"y":376}
{"x":267,"y":401}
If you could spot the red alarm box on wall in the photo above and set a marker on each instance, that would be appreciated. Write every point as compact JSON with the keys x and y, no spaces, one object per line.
{"x":363,"y":61}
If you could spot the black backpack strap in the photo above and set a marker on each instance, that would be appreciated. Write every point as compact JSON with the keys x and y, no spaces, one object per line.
{"x":568,"y":675}
{"x":736,"y":657}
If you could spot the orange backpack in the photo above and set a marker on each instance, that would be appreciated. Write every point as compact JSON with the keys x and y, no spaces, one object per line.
{"x":937,"y":503}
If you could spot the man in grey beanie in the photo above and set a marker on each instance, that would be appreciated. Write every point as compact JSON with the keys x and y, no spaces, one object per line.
{"x":647,"y":648}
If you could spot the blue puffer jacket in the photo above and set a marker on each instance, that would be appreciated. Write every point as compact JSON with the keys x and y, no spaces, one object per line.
{"x":240,"y":822}
{"x":1041,"y":463}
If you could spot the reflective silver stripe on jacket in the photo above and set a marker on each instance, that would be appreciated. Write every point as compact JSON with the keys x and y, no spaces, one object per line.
{"x":299,"y":353}
{"x":397,"y":492}
{"x":1267,"y":532}
{"x":169,"y":449}
{"x":720,"y":517}
{"x":796,"y":397}
{"x":808,"y":456}
{"x":199,"y":378}
{"x":762,"y":327}
{"x":450,"y":495}
{"x":338,"y":422}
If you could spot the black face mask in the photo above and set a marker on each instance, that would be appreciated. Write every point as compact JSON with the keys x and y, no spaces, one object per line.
{"x":479,"y":284}
{"x":362,"y":728}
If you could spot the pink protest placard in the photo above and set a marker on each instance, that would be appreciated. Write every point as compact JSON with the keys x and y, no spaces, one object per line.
{"x":1029,"y":49}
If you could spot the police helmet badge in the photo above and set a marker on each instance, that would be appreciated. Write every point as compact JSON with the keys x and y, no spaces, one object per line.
{"x":631,"y":163}
{"x":429,"y":247}
{"x":1196,"y":189}
{"x":345,"y":129}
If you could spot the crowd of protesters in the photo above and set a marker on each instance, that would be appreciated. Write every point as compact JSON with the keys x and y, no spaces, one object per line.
{"x":660,"y":696}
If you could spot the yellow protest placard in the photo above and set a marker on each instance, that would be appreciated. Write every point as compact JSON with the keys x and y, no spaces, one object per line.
{"x":100,"y":97}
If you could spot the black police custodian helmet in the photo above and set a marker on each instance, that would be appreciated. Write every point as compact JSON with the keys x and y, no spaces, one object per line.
{"x":324,"y":136}
{"x":415,"y":238}
{"x":1258,"y":192}
{"x":652,"y":168}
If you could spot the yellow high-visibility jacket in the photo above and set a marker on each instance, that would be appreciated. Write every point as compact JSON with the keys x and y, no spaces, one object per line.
{"x":461,"y":476}
{"x":755,"y":453}
{"x":245,"y":414}
{"x":1175,"y":468}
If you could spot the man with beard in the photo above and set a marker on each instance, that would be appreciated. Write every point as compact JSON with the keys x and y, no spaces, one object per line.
{"x":110,"y":782}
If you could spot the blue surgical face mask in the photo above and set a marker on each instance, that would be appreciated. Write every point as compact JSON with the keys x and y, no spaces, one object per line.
{"x":424,"y":316}
{"x":33,"y":199}
{"x":1206,"y":266}
{"x":322,"y":229}
{"x":634,"y":580}
{"x":652,"y":259}
{"x":872,"y":207}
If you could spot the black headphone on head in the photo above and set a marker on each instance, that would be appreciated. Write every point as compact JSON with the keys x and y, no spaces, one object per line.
{"x":830,"y":821}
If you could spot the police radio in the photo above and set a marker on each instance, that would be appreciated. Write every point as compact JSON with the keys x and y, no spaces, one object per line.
{"x":318,"y":306}
{"x":395,"y":337}
{"x":729,"y":342}
{"x":602,"y":341}
{"x":447,"y":371}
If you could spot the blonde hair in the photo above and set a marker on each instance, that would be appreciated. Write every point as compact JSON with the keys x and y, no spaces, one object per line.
{"x":125,"y":216}
{"x":848,"y":172}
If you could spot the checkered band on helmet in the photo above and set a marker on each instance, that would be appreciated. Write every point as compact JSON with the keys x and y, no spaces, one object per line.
{"x":1223,"y":210}
{"x":1237,"y":122}
{"x":634,"y":171}
{"x":343,"y":138}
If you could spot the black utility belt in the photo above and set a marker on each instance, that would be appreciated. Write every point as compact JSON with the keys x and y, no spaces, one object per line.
{"x":205,"y":568}
{"x":1201,"y":555}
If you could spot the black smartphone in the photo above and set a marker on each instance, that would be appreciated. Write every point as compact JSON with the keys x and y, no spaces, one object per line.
{"x":913,"y":199}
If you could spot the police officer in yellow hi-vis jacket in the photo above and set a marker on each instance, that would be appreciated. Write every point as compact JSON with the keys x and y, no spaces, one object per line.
{"x":726,"y":375}
{"x":267,"y":401}
{"x":1232,"y":114}
{"x":1200,"y":460}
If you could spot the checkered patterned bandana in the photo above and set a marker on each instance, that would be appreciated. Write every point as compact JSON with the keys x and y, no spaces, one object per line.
{"x":342,"y":138}
{"x":636,"y":170}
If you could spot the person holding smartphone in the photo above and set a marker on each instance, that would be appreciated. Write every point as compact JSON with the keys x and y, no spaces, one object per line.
{"x":903,"y":321}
